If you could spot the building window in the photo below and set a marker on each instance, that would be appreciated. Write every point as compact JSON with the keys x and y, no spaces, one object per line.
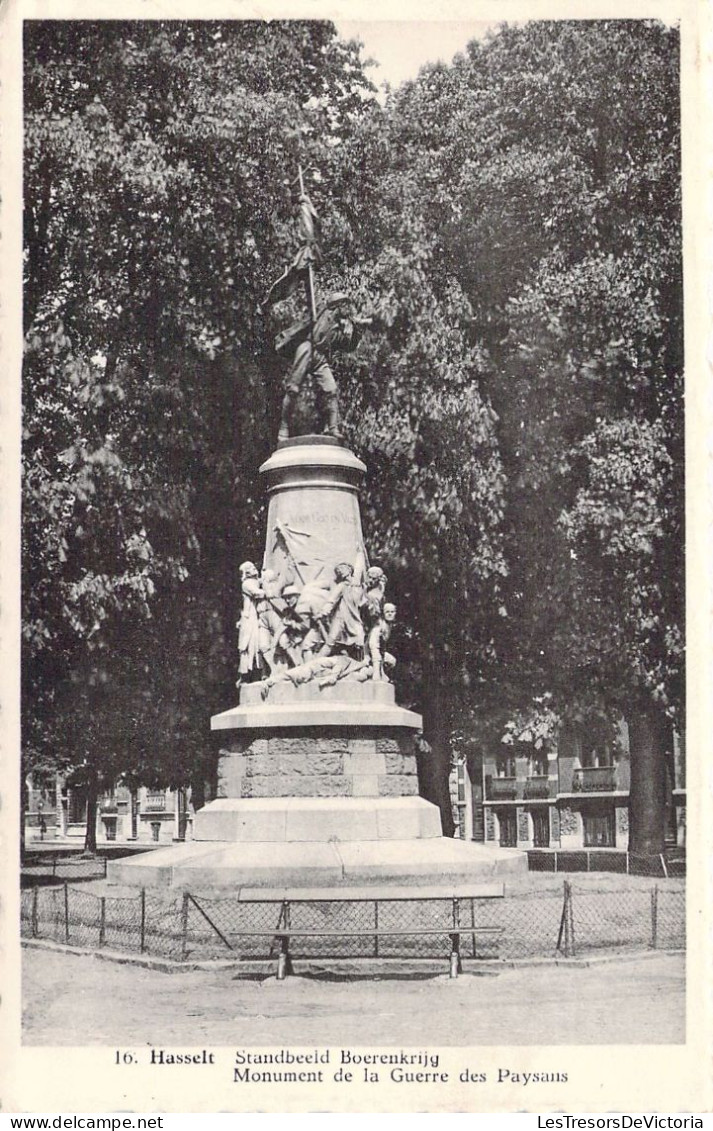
{"x":541,"y":828}
{"x":77,"y":814}
{"x":596,"y":751}
{"x":507,"y":819}
{"x":538,"y":764}
{"x":598,"y":828}
{"x":505,"y":766}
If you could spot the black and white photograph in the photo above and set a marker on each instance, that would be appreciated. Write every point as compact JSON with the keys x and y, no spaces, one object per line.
{"x":355,"y":411}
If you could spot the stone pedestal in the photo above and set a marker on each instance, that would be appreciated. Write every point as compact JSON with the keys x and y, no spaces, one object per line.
{"x":302,"y":762}
{"x":318,"y":782}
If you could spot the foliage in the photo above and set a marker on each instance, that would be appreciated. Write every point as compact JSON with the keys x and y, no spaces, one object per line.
{"x":158,"y":159}
{"x":548,"y":164}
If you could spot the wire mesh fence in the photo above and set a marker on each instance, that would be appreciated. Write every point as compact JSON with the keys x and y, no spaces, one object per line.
{"x":672,"y":863}
{"x":566,"y":921}
{"x":46,"y":867}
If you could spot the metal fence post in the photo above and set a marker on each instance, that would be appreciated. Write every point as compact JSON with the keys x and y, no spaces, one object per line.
{"x":66,"y":911}
{"x":563,"y":930}
{"x":142,"y":945}
{"x":35,"y":897}
{"x":102,"y":921}
{"x":54,"y":864}
{"x":184,"y":926}
{"x":565,"y":938}
{"x":376,"y":928}
{"x":654,"y":916}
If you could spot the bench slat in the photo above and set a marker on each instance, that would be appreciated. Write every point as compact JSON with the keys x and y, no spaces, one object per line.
{"x":293,"y":932}
{"x":490,"y":890}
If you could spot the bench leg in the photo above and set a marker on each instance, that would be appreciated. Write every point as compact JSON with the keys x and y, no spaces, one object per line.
{"x":284,"y":966}
{"x":456,"y":966}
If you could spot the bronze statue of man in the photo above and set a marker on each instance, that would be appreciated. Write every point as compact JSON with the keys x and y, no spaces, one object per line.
{"x":329,"y":331}
{"x":310,"y":341}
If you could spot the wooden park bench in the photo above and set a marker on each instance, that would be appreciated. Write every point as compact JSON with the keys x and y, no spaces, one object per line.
{"x":456,"y":896}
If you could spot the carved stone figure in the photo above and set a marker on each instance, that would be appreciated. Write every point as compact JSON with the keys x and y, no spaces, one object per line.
{"x":378,"y":637}
{"x":295,"y":626}
{"x":375,"y":588}
{"x":249,"y":625}
{"x":269,"y":611}
{"x":326,"y":670}
{"x":341,"y":612}
{"x":345,"y":667}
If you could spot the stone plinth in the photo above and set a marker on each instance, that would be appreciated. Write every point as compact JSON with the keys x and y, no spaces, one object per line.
{"x":325,"y":712}
{"x":309,"y":762}
{"x":352,"y":704}
{"x":229,"y":866}
{"x":298,"y":820}
{"x":313,"y":510}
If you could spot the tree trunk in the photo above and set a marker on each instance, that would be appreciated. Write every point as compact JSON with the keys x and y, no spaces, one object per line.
{"x":434,"y":768}
{"x":649,"y":733}
{"x":90,"y":839}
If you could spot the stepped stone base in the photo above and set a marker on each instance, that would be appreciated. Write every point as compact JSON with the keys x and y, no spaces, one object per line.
{"x":298,"y":820}
{"x":417,"y":863}
{"x":313,"y":809}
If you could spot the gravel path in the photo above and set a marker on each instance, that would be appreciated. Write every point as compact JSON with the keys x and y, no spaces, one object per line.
{"x":634,"y":1000}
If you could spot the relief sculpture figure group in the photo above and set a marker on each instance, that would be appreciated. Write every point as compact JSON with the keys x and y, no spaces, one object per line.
{"x":323,"y":630}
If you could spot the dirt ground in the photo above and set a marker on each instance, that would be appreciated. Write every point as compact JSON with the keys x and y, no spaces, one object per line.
{"x":626,"y":1000}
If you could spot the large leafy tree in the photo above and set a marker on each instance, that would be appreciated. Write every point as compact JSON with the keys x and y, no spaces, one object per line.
{"x":158,"y":204}
{"x":547,"y":161}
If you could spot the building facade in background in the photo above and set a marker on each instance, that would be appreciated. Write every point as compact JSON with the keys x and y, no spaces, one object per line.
{"x":148,"y":816}
{"x":572,"y":794}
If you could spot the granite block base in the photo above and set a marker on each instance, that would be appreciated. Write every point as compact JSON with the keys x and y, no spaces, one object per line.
{"x":306,"y":762}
